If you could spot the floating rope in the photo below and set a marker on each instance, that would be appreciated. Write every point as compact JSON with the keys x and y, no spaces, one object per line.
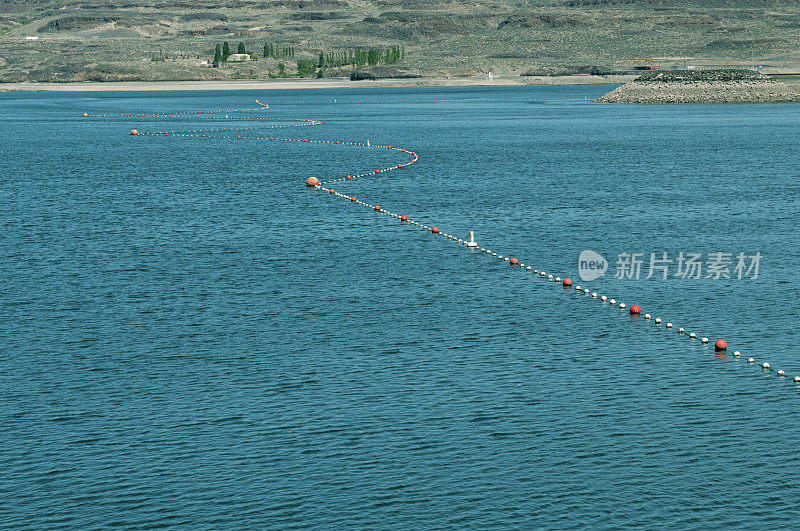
{"x":315,"y":184}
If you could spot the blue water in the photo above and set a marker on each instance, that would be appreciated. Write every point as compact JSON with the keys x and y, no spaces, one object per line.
{"x":189,"y":337}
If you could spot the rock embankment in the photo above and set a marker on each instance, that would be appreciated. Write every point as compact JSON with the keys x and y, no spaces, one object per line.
{"x":702,"y":86}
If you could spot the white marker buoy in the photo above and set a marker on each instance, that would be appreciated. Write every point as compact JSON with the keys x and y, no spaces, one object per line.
{"x":781,"y":373}
{"x":750,"y":360}
{"x":765,"y":365}
{"x":471,"y":242}
{"x":704,"y":340}
{"x":737,"y":354}
{"x":647,"y":316}
{"x":604,"y":298}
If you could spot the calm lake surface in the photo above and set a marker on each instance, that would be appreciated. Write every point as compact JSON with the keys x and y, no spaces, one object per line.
{"x":190,"y":337}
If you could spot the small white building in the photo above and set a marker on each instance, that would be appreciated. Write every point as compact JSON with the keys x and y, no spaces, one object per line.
{"x":32,"y":38}
{"x":239,"y":57}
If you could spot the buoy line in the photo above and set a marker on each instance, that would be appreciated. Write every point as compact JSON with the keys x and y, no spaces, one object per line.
{"x":314,"y":183}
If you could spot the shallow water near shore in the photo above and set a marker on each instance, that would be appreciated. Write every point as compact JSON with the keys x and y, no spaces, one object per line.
{"x":192,"y":338}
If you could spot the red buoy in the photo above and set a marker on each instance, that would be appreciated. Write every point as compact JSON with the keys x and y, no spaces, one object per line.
{"x":134,"y":132}
{"x":720,"y":345}
{"x":331,"y":191}
{"x":312,"y":182}
{"x":435,"y":230}
{"x":377,"y":171}
{"x":566,"y":282}
{"x":376,"y":208}
{"x":353,"y":199}
{"x":635,"y":310}
{"x":513,"y":262}
{"x":403,"y":218}
{"x":349,"y":177}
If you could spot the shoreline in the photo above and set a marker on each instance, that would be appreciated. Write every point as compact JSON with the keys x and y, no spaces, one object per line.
{"x":298,"y":84}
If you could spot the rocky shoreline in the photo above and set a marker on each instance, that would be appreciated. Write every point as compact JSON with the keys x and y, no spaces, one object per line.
{"x":710,"y":86}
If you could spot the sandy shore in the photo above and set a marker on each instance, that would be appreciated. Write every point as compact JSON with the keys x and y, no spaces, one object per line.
{"x":335,"y":83}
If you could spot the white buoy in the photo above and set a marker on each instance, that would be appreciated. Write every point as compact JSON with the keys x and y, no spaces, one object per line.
{"x":506,"y":259}
{"x":528,"y":268}
{"x":693,"y":335}
{"x":681,"y":330}
{"x":781,"y":373}
{"x":737,"y":354}
{"x":750,"y":360}
{"x":765,"y":365}
{"x":493,"y":254}
{"x":558,"y":279}
{"x":612,"y":302}
{"x":577,"y":288}
{"x":604,"y":298}
{"x":542,"y":274}
{"x":550,"y":277}
{"x":704,"y":340}
{"x":796,"y":379}
{"x":669,"y":325}
{"x":594,"y":295}
{"x":647,"y":316}
{"x":622,"y":305}
{"x":586,"y":291}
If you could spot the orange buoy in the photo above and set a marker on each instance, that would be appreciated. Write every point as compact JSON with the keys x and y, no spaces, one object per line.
{"x":353,"y":199}
{"x":331,"y":191}
{"x":376,"y":208}
{"x":720,"y":345}
{"x":134,"y":132}
{"x":513,"y":262}
{"x":312,"y":182}
{"x":435,"y":230}
{"x":377,"y":171}
{"x":567,"y":282}
{"x":635,"y":310}
{"x":85,"y":114}
{"x":403,"y":218}
{"x":349,"y":177}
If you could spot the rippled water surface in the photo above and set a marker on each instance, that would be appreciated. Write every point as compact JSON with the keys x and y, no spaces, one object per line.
{"x":192,"y":338}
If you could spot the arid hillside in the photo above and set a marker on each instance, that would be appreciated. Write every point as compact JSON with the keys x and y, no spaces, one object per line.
{"x":94,"y":40}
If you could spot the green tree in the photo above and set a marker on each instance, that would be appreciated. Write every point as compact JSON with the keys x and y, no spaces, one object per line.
{"x":226,"y":50}
{"x":217,"y":54}
{"x":281,"y":69}
{"x":241,"y":48}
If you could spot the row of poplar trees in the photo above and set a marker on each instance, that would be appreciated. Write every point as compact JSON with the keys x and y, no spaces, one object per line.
{"x":355,"y":57}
